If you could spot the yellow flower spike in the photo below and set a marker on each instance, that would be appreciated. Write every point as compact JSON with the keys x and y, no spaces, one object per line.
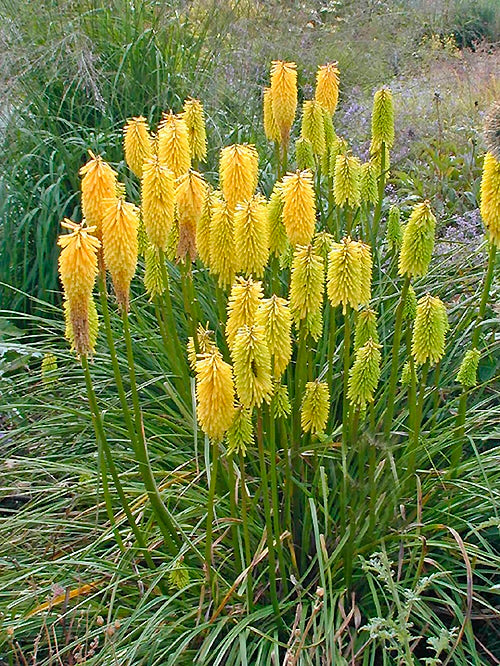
{"x":194,"y":118}
{"x":158,"y":201}
{"x":376,"y":159}
{"x":368,"y":183}
{"x":98,"y":183}
{"x":240,"y":433}
{"x":153,"y":279}
{"x":315,"y":407}
{"x":206,"y":345}
{"x":322,"y":244}
{"x":313,"y":126}
{"x":190,"y":197}
{"x":382,"y":119}
{"x":173,"y":144}
{"x":93,"y":320}
{"x":349,"y":274}
{"x":467,"y":373}
{"x":327,"y":86}
{"x":238,"y":169}
{"x":429,"y":330}
{"x":277,"y":234}
{"x":394,"y":233}
{"x":251,"y":236}
{"x":364,"y":374}
{"x":137,"y":144}
{"x":222,"y":248}
{"x":120,"y":245}
{"x":347,"y":184}
{"x":203,"y":228}
{"x":408,"y":374}
{"x":490,"y":197}
{"x":418,"y":241}
{"x":242,"y":306}
{"x":284,"y":96}
{"x":338,"y":147}
{"x":271,"y":129}
{"x":299,"y":207}
{"x":214,"y":394}
{"x":173,"y":241}
{"x":78,"y":270}
{"x":280,"y":402}
{"x":274,"y":317}
{"x":304,"y":155}
{"x":307,"y":286}
{"x":366,"y":328}
{"x":252,"y":366}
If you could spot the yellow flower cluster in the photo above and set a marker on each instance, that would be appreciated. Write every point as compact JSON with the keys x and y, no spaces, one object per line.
{"x":349,"y":274}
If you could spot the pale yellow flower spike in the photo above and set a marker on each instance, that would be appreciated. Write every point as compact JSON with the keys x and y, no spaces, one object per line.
{"x":203,"y":228}
{"x":137,"y":144}
{"x":119,"y":240}
{"x":173,"y":144}
{"x":252,"y":366}
{"x":275,"y":318}
{"x":349,"y":274}
{"x":158,"y":202}
{"x":271,"y":129}
{"x":490,"y":197}
{"x":251,"y":235}
{"x":190,"y":196}
{"x":222,"y":250}
{"x":242,"y":306}
{"x":238,"y":168}
{"x":284,"y":96}
{"x":194,"y":118}
{"x":98,"y":183}
{"x":315,"y":407}
{"x":327,"y":86}
{"x":214,"y":394}
{"x":299,"y":207}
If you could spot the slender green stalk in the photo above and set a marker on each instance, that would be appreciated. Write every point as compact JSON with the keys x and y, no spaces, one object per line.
{"x":188,"y":300}
{"x":269,"y":524}
{"x":418,"y":421}
{"x":246,"y":534}
{"x":234,"y":514}
{"x":210,"y":519}
{"x":275,"y":500}
{"x":393,"y":380}
{"x":345,"y":417}
{"x":170,"y":318}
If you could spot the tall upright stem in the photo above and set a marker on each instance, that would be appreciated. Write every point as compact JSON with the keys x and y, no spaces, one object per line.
{"x":275,"y":501}
{"x":210,"y":518}
{"x":418,"y":421}
{"x":345,"y":417}
{"x":246,"y":534}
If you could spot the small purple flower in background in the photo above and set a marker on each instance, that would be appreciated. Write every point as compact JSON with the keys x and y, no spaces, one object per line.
{"x":461,"y":238}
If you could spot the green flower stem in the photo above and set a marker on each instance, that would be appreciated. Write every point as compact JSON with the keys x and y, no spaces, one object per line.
{"x":412,"y":389}
{"x":288,"y":491}
{"x":418,"y":421}
{"x":381,"y":189}
{"x":393,"y":380}
{"x":173,"y":357}
{"x":246,"y":534}
{"x":234,"y":514}
{"x":210,"y":519}
{"x":348,"y":220}
{"x":345,"y":416}
{"x":269,"y":524}
{"x":160,"y":510}
{"x":189,"y":301}
{"x":372,"y":464}
{"x":332,"y":341}
{"x":275,"y":500}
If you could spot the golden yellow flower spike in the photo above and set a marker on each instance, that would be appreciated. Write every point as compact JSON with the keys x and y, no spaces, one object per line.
{"x":242,"y":306}
{"x":173,"y":144}
{"x":429,"y":330}
{"x":284,"y":96}
{"x":78,"y":270}
{"x":490,"y":197}
{"x":214,"y":394}
{"x":158,"y":202}
{"x":119,"y":241}
{"x":349,"y":274}
{"x":299,"y":207}
{"x":222,"y":249}
{"x":418,"y":241}
{"x":327,"y":86}
{"x":98,"y":183}
{"x":313,"y":126}
{"x":238,"y":168}
{"x":137,"y":144}
{"x":271,"y":129}
{"x":307,"y":286}
{"x":251,"y":236}
{"x":274,"y":317}
{"x":190,"y":196}
{"x":315,"y":407}
{"x":194,"y":118}
{"x":252,"y":366}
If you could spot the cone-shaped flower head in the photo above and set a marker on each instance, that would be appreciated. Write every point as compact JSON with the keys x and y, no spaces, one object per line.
{"x":119,"y":241}
{"x":238,"y":169}
{"x":408,"y":374}
{"x":78,"y":270}
{"x":203,"y":228}
{"x":418,"y":241}
{"x":299,"y":207}
{"x":383,"y":119}
{"x":307,"y":286}
{"x":490,"y":197}
{"x":323,"y":243}
{"x":366,"y":327}
{"x":304,"y":155}
{"x":158,"y":201}
{"x":313,"y":126}
{"x":364,"y":374}
{"x":327,"y":86}
{"x":330,"y":134}
{"x":467,"y":373}
{"x":252,"y":366}
{"x":240,"y":433}
{"x":251,"y":235}
{"x":368,"y":182}
{"x":206,"y":345}
{"x":153,"y":279}
{"x":214,"y":394}
{"x":194,"y":118}
{"x":410,"y":306}
{"x":222,"y":248}
{"x":394,"y":230}
{"x":338,"y":147}
{"x":271,"y":129}
{"x":189,"y":197}
{"x":429,"y":330}
{"x":242,"y":306}
{"x":274,"y":317}
{"x":173,"y":144}
{"x":315,"y":407}
{"x":284,"y":96}
{"x":137,"y":144}
{"x":277,"y":233}
{"x":349,"y":274}
{"x":98,"y":183}
{"x":280,"y":402}
{"x":93,"y":320}
{"x":347,"y":183}
{"x":492,"y":130}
